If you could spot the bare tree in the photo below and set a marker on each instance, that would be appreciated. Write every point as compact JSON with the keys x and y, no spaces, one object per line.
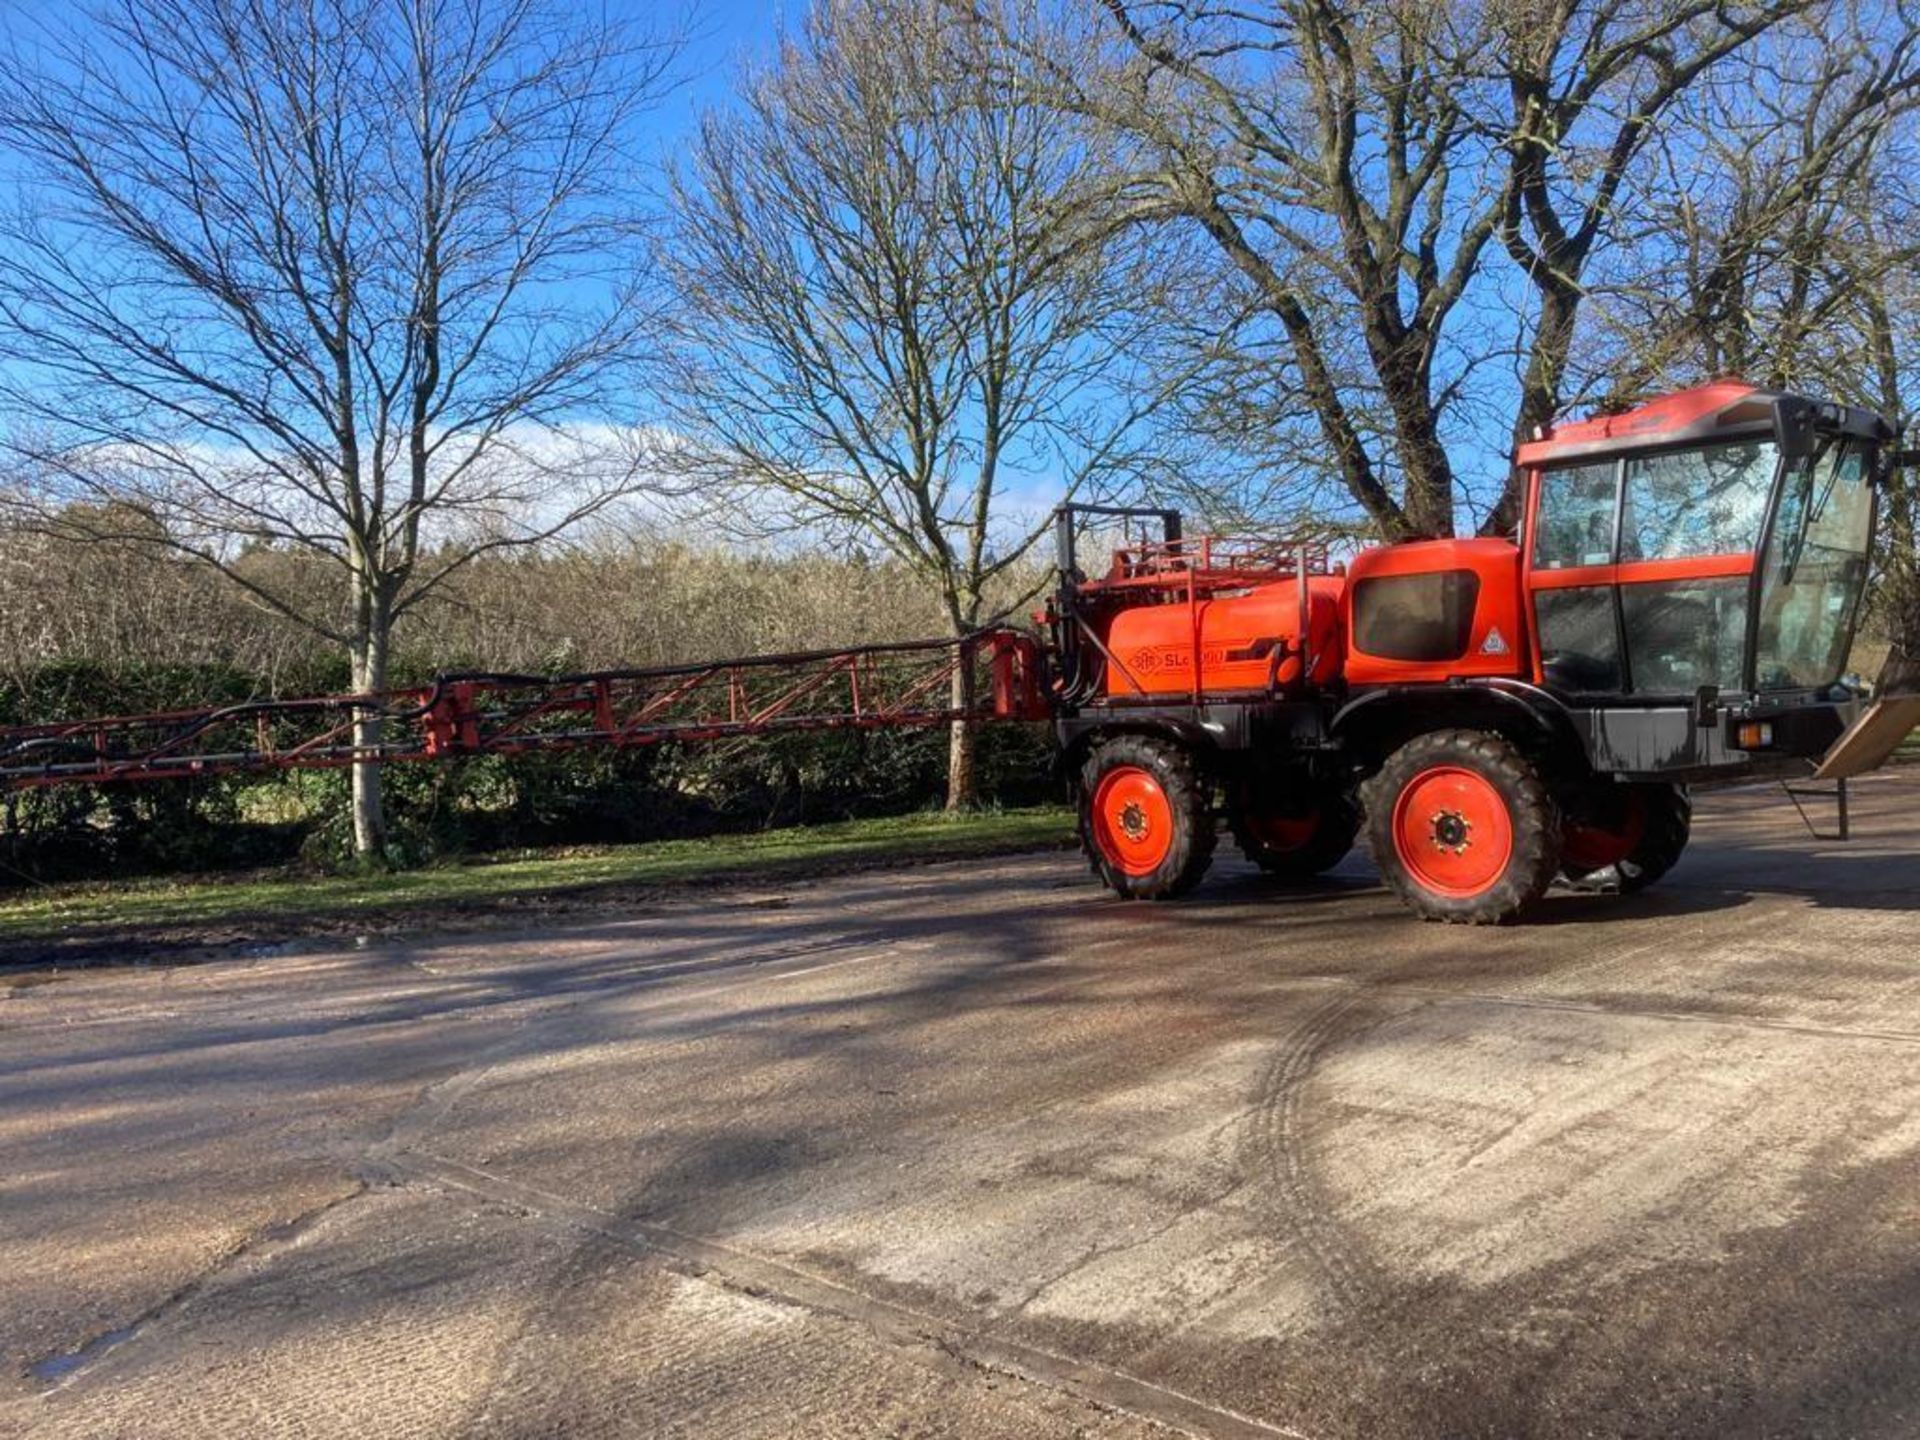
{"x":342,"y":277}
{"x":1776,"y":227}
{"x":1598,"y":93}
{"x":1365,"y":169}
{"x":898,"y":320}
{"x":1330,"y":157}
{"x":1781,"y":241}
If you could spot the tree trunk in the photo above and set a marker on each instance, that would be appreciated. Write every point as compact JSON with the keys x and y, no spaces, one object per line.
{"x":1539,"y":397}
{"x":369,"y":656}
{"x":1429,"y":496}
{"x":1899,"y":588}
{"x":962,"y":783}
{"x":1428,"y":501}
{"x":1900,"y":675}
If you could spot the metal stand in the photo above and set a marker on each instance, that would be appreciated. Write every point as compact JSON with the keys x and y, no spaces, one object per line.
{"x":1837,"y":793}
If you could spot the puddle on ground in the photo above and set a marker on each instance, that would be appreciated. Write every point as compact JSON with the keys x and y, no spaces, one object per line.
{"x":55,"y":1368}
{"x":266,"y":950}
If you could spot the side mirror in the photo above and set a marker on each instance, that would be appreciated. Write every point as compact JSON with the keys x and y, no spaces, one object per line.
{"x":1894,"y":460}
{"x":1793,"y":427}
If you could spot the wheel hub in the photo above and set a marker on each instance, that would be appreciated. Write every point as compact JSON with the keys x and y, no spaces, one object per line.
{"x":1133,"y":823}
{"x":1451,"y":831}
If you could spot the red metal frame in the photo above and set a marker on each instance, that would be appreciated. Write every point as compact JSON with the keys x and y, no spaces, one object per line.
{"x":1211,"y":562}
{"x":870,"y":687}
{"x":1640,"y":572}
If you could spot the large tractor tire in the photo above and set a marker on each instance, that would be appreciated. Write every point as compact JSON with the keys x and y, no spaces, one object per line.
{"x":1628,"y":838}
{"x":1296,"y":843}
{"x":1462,"y":828}
{"x":1146,"y":817}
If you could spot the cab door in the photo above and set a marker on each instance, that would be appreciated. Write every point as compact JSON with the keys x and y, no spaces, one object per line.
{"x":1640,"y":568}
{"x":1572,"y":578}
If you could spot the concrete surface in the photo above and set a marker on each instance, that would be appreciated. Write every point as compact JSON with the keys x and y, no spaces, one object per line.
{"x":973,"y":1150}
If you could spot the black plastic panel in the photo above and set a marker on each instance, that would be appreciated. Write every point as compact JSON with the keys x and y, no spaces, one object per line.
{"x":1668,"y":742}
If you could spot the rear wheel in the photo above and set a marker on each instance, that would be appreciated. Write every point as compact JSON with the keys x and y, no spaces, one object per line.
{"x":1462,"y":828}
{"x":1626,"y":838}
{"x":1298,"y":842}
{"x":1146,"y":817}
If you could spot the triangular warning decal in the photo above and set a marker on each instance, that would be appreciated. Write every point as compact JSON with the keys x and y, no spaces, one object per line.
{"x":1495,"y":643}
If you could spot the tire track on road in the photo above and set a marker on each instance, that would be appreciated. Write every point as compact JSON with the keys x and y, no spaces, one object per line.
{"x":1349,"y":1276}
{"x":899,"y":1325}
{"x":57,"y":1372}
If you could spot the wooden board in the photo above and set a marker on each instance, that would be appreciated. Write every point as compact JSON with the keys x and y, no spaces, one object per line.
{"x":1872,"y":739}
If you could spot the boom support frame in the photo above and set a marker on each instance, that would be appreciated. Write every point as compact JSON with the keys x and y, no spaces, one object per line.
{"x":483,"y":713}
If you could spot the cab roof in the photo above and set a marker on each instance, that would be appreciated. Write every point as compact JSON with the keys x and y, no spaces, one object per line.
{"x":1696,"y":414}
{"x":1720,"y":410}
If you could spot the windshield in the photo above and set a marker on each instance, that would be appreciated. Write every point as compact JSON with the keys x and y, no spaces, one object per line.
{"x":1815,"y":569}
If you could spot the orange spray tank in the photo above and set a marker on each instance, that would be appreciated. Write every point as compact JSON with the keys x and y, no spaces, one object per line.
{"x":1247,"y":640}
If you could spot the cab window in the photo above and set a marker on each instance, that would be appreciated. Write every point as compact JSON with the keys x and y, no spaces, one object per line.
{"x":1579,"y":638}
{"x":1415,"y":617}
{"x":1575,"y":522}
{"x":1708,"y":501}
{"x":1685,"y":634}
{"x":1814,"y":571}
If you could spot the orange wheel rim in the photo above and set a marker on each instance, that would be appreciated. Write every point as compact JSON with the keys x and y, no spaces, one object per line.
{"x":1452,"y":832}
{"x":1283,"y":832}
{"x":1132,"y":820}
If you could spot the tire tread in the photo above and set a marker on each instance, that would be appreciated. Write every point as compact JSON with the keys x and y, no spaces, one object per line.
{"x":1340,"y":823}
{"x":1669,"y":827}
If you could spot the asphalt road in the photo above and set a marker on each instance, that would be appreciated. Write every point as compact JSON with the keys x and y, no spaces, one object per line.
{"x":973,"y":1150}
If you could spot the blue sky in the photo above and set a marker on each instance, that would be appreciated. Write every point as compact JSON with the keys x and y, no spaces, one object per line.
{"x":721,"y":33}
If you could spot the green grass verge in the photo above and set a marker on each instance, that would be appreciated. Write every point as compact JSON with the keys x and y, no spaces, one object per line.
{"x":70,"y":911}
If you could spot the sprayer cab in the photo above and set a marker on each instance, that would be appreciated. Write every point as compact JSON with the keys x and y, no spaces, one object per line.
{"x":1717,"y":539}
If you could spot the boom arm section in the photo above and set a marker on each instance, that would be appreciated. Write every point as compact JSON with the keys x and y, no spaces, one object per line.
{"x":997,"y":671}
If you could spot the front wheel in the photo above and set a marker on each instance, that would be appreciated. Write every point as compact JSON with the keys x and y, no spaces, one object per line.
{"x":1627,"y":837}
{"x":1462,"y":828}
{"x":1146,"y":817}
